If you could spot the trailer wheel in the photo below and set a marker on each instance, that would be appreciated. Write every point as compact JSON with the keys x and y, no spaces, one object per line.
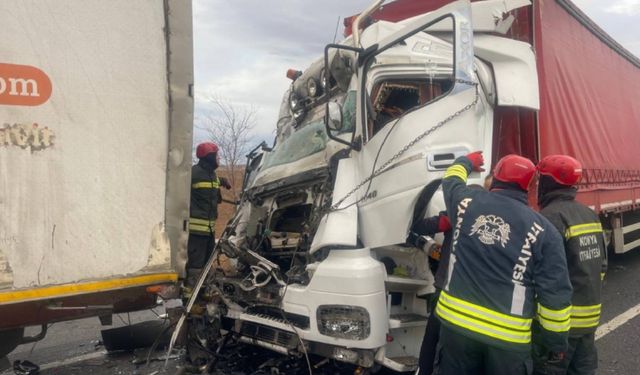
{"x":9,"y":340}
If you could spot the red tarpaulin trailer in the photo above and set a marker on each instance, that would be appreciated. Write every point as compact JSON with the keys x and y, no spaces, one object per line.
{"x":588,"y":87}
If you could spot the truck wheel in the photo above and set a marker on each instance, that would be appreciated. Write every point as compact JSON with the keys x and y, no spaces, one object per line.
{"x":9,"y":340}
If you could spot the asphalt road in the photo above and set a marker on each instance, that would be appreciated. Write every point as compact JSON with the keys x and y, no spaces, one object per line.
{"x":619,"y":351}
{"x":76,"y":347}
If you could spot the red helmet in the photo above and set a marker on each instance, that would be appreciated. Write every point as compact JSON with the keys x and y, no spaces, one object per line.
{"x":515,"y":168}
{"x":205,"y":149}
{"x":563,"y":169}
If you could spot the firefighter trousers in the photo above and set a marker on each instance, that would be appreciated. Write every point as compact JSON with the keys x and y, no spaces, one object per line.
{"x":581,"y":358}
{"x":199,"y":249}
{"x":430,"y":341}
{"x":461,"y":355}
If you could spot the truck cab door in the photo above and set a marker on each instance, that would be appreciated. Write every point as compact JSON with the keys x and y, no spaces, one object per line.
{"x":417,"y":111}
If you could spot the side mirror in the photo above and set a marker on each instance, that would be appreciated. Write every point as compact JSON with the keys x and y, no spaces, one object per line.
{"x":333,"y":116}
{"x":333,"y":111}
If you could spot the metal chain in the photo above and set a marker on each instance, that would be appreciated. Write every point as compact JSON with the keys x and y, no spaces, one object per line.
{"x":383,"y":167}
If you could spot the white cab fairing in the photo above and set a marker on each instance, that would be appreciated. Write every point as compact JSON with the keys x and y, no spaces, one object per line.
{"x":514,"y":69}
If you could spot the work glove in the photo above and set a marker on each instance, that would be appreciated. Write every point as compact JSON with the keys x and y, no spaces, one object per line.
{"x":443,"y":223}
{"x":555,"y":357}
{"x":553,"y":365}
{"x":225,"y":183}
{"x":477,"y":161}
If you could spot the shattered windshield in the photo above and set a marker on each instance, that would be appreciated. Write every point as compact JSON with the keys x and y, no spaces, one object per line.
{"x":304,"y":141}
{"x":311,"y":137}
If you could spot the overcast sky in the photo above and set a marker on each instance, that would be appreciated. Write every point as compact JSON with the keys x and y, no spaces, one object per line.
{"x":243,"y":48}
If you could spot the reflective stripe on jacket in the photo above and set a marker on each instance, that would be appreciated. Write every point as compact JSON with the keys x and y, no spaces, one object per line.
{"x":554,"y":320}
{"x":484,"y":321}
{"x":201,"y":226}
{"x":207,"y":185}
{"x":498,"y":280}
{"x":586,"y":255}
{"x":585,"y":317}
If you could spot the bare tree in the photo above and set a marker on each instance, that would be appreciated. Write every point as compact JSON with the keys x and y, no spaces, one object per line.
{"x":230,"y":128}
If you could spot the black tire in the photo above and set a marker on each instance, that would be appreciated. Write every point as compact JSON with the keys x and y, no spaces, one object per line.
{"x":9,"y":340}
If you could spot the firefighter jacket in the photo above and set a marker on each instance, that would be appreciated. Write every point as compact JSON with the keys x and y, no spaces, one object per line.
{"x":506,"y":264}
{"x":586,"y":255}
{"x":205,"y":197}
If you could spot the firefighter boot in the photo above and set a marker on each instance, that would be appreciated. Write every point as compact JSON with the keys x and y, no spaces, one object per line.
{"x":190,"y":282}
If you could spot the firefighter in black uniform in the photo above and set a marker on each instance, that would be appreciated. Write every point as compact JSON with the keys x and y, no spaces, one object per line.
{"x":429,"y":227}
{"x":205,"y":197}
{"x":586,"y":257}
{"x":507,"y":263}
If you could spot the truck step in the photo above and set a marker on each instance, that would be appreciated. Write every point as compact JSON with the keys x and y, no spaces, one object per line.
{"x":401,"y":364}
{"x":398,"y":283}
{"x":407,"y":320}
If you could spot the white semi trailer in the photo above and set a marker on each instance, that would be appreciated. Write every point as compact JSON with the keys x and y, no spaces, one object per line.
{"x":96,"y":115}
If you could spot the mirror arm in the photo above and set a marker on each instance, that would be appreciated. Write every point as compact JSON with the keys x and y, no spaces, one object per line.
{"x":366,"y":53}
{"x":335,"y":138}
{"x":356,"y":143}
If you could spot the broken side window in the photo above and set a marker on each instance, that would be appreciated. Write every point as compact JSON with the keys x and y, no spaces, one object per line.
{"x":414,"y":72}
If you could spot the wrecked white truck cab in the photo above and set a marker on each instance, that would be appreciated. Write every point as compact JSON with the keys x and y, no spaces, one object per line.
{"x":316,"y":259}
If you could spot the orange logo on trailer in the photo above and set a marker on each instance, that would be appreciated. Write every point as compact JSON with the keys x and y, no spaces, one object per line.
{"x":23,"y":85}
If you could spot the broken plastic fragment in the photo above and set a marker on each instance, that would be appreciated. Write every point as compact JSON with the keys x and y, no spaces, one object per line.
{"x":25,"y":367}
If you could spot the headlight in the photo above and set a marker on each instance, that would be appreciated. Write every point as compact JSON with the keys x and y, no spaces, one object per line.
{"x":297,"y":108}
{"x":344,"y":321}
{"x":294,"y":103}
{"x":312,"y":87}
{"x":298,"y":115}
{"x":323,"y":79}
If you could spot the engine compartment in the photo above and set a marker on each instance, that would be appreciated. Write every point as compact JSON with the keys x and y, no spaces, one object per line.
{"x":266,"y":246}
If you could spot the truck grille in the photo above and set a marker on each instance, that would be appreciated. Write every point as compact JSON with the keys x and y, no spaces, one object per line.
{"x":299,"y":321}
{"x":269,"y":334}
